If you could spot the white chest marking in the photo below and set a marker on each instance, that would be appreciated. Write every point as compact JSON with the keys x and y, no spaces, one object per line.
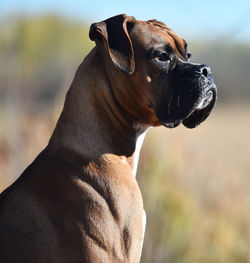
{"x":137,"y":151}
{"x":144,"y":220}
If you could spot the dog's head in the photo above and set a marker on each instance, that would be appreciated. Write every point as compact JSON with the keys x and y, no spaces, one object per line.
{"x":156,"y":61}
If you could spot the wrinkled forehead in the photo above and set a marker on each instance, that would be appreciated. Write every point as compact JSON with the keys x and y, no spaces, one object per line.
{"x":155,"y":33}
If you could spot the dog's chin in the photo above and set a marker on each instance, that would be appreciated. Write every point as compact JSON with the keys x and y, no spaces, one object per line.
{"x":201,"y":109}
{"x":173,"y":124}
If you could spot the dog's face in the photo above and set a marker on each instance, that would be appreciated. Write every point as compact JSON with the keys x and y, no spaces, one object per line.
{"x":156,"y":60}
{"x":181,"y":92}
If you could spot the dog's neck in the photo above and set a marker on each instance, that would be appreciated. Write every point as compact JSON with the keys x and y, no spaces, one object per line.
{"x":92,"y":123}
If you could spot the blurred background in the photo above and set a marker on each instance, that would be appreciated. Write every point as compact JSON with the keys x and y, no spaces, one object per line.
{"x":195,"y":183}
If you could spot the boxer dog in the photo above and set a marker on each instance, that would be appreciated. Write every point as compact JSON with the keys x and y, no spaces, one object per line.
{"x":79,"y":200}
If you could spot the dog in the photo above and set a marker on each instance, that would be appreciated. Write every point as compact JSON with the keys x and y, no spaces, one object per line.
{"x":79,"y":200}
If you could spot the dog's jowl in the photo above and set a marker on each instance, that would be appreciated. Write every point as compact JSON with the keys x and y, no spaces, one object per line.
{"x":79,"y":200}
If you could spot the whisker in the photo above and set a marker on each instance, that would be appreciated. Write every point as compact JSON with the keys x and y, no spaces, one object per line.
{"x":178,"y":102}
{"x":169,"y":104}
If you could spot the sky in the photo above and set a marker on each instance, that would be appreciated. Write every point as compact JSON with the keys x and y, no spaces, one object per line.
{"x":198,"y":18}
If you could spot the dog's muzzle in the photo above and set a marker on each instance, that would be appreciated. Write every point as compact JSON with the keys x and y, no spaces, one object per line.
{"x":206,"y":100}
{"x":192,"y":98}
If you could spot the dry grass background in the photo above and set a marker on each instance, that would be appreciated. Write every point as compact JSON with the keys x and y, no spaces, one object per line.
{"x":200,"y":207}
{"x":195,"y":183}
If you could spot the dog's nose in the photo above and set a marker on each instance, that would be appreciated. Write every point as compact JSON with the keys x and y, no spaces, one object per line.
{"x":204,"y":70}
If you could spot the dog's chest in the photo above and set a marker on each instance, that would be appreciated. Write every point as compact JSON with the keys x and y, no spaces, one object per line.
{"x":112,"y":209}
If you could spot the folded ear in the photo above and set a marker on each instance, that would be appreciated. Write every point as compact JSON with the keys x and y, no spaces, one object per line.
{"x":112,"y":35}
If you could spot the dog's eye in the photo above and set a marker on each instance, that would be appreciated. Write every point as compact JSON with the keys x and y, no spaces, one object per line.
{"x":162,"y":60}
{"x":162,"y":57}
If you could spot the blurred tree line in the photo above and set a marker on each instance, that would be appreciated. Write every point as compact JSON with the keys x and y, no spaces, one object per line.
{"x":38,"y":57}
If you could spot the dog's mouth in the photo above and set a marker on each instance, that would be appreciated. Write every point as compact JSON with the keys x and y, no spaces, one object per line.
{"x":200,"y":111}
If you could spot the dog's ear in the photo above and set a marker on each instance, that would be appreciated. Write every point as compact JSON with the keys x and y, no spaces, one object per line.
{"x":112,"y":34}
